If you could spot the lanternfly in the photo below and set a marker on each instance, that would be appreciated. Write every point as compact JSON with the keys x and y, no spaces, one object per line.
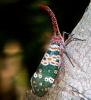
{"x":48,"y":68}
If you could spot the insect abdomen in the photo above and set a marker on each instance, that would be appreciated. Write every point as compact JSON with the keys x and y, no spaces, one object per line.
{"x":47,"y":71}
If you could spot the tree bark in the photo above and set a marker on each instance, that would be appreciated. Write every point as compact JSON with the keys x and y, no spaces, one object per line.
{"x":75,"y":83}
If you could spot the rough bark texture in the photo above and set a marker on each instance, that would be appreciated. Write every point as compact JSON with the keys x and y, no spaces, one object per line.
{"x":75,"y":83}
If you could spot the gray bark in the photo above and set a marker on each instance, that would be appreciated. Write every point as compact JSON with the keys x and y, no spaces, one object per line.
{"x":75,"y":83}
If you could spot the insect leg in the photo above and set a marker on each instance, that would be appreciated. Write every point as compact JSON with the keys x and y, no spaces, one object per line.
{"x":71,"y":38}
{"x":69,"y":58}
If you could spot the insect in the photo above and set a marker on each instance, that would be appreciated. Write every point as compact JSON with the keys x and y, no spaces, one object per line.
{"x":48,"y":68}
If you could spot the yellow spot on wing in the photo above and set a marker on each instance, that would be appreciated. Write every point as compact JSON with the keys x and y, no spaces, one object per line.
{"x":52,"y":63}
{"x":46,"y":89}
{"x":48,"y":70}
{"x":40,"y":83}
{"x":42,"y":89}
{"x":45,"y":62}
{"x":34,"y":82}
{"x":58,"y":56}
{"x":35,"y":86}
{"x":54,"y":48}
{"x":57,"y":63}
{"x":40,"y":70}
{"x":55,"y":71}
{"x":49,"y":58}
{"x":54,"y":57}
{"x":37,"y":89}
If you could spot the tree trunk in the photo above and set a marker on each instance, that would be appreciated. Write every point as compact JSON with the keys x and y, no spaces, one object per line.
{"x":75,"y":83}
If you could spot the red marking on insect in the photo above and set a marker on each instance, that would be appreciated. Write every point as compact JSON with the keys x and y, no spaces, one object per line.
{"x":57,"y":36}
{"x":54,"y":21}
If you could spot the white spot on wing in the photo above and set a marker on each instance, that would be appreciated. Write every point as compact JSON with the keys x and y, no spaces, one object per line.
{"x":52,"y":63}
{"x":46,"y":79}
{"x":51,"y":80}
{"x":44,"y":62}
{"x":40,"y":76}
{"x":46,"y":55}
{"x":35,"y":75}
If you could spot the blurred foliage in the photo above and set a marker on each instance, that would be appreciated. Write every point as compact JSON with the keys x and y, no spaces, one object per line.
{"x":8,"y":1}
{"x":26,"y":22}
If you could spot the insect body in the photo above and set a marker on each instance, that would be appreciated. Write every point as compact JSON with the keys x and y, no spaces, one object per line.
{"x":47,"y":71}
{"x":48,"y":68}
